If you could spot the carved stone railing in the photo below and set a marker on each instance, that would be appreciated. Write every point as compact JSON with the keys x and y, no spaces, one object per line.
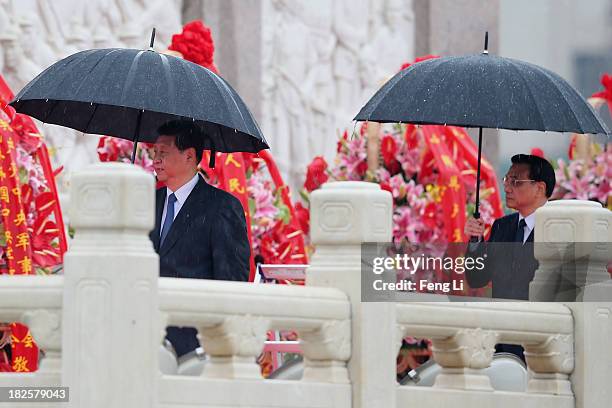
{"x":111,"y":309}
{"x":464,"y":336}
{"x":232,"y":319}
{"x":565,"y":344}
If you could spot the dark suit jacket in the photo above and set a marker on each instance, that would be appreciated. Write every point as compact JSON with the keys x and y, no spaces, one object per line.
{"x":508,"y":264}
{"x":208,"y":240}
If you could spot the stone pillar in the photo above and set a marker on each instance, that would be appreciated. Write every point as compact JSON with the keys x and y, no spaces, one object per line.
{"x":236,"y":27}
{"x":110,"y":306}
{"x":593,"y":365}
{"x":573,"y":239}
{"x":343,"y":215}
{"x":578,"y":233}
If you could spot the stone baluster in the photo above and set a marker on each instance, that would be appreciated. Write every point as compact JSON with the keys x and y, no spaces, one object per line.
{"x":326,"y":351}
{"x":46,"y":328}
{"x":233,"y":345}
{"x":463,"y":358}
{"x":344,"y":215}
{"x":110,"y":307}
{"x":550,"y":362}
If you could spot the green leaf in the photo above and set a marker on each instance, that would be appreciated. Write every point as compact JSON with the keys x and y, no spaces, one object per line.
{"x":252,"y":207}
{"x":305,"y":196}
{"x":23,"y":176}
{"x":2,"y":237}
{"x":284,"y":213}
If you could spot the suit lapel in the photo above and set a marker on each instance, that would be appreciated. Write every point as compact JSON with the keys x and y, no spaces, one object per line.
{"x":512,"y":227}
{"x":159,"y":209}
{"x":182,"y":219}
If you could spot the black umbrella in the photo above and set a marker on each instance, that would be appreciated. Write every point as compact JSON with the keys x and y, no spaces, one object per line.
{"x":482,"y":91}
{"x":129,"y":93}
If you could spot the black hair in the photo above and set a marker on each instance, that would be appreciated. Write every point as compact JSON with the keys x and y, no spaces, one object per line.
{"x":186,"y":135}
{"x":539,"y":170}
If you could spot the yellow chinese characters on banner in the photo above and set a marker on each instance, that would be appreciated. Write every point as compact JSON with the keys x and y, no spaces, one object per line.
{"x":23,"y":348}
{"x":18,"y":249}
{"x":451,"y":188}
{"x":233,"y":180}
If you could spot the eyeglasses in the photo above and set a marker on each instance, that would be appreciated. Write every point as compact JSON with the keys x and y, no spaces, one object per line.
{"x":512,"y":182}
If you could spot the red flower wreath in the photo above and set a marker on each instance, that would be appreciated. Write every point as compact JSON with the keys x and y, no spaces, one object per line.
{"x":195,"y":43}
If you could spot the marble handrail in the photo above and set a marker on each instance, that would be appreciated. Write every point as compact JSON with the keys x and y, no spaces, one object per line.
{"x":233,"y":318}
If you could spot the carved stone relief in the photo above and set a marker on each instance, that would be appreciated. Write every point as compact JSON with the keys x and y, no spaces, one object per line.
{"x":322,"y":61}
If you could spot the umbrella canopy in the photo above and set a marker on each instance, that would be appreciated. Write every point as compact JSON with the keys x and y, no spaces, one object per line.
{"x":129,"y":93}
{"x":482,"y":91}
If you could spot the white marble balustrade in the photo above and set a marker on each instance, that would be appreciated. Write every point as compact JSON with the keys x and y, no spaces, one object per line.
{"x":100,"y":325}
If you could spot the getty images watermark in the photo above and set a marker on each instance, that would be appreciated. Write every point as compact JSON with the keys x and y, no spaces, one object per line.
{"x":542,"y":272}
{"x":412,"y":265}
{"x":389,"y":272}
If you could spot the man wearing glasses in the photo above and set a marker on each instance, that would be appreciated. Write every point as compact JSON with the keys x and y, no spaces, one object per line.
{"x":508,"y":254}
{"x":509,"y":262}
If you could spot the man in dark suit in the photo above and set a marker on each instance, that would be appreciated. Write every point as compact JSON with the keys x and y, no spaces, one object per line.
{"x":200,"y":231}
{"x":508,"y":254}
{"x":509,"y":262}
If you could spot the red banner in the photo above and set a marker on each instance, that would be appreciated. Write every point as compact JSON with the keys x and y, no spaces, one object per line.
{"x":25,"y":247}
{"x":18,"y":248}
{"x":230,"y":170}
{"x":232,"y":167}
{"x":23,"y":349}
{"x":452,"y":191}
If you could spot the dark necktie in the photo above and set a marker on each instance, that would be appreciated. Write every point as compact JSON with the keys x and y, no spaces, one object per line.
{"x":169,"y":218}
{"x":520,"y":232}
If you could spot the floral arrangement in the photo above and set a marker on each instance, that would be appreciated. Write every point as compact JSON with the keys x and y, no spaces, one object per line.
{"x":588,"y":178}
{"x":588,"y":174}
{"x":120,"y":150}
{"x":38,"y":197}
{"x":276,"y":224}
{"x":418,"y":216}
{"x":32,"y":238}
{"x":195,"y":44}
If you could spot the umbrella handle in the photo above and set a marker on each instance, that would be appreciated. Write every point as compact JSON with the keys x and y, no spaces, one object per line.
{"x":477,"y":204}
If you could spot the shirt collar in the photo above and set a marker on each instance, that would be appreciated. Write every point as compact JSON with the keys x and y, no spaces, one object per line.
{"x":183,"y":191}
{"x":529,"y":220}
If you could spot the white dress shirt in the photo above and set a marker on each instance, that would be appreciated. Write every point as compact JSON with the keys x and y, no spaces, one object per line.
{"x":530,"y":224}
{"x":181,"y":194}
